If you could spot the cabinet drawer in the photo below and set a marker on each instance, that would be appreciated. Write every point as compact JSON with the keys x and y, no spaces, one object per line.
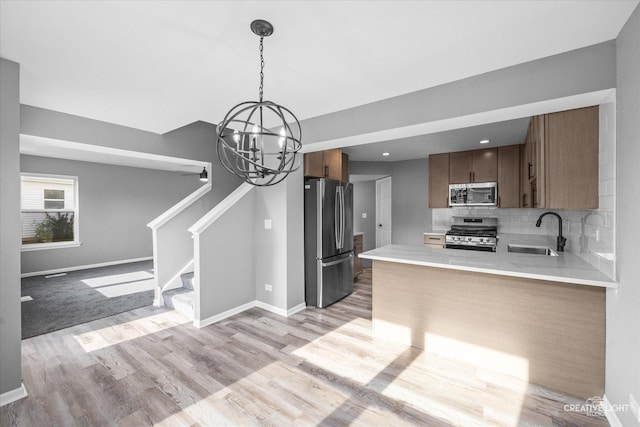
{"x":431,"y":245}
{"x":434,"y":239}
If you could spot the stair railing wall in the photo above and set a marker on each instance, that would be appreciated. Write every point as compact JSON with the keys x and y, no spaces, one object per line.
{"x":172,"y":244}
{"x":224,"y":258}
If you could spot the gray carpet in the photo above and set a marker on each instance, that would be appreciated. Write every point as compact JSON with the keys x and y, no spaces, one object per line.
{"x":85,"y":295}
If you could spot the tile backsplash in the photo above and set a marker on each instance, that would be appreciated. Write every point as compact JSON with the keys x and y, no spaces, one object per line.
{"x":590,"y":234}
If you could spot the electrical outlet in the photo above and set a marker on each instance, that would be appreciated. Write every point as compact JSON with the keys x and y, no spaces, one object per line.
{"x":635,"y":408}
{"x":268,"y":287}
{"x":267,"y":224}
{"x":364,"y":215}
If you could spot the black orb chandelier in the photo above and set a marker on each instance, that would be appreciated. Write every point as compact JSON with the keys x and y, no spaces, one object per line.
{"x":259,"y":141}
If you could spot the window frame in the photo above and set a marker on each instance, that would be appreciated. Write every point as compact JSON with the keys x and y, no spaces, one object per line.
{"x":76,"y":213}
{"x":45,"y":199}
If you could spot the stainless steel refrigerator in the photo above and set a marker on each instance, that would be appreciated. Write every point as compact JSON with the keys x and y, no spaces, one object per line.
{"x":328,"y":237}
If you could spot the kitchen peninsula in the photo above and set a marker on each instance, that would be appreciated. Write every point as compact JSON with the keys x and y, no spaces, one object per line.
{"x":539,"y":318}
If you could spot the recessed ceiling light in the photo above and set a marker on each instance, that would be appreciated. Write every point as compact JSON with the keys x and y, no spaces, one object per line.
{"x":385,"y":154}
{"x":485,"y":141}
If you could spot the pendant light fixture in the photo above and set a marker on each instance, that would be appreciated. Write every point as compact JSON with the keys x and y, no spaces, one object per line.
{"x":258,"y":141}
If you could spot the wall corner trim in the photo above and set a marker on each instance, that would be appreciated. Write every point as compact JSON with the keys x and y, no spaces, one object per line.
{"x":611,"y":415}
{"x":13,"y":395}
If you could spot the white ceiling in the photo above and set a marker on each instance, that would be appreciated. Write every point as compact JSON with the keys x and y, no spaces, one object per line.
{"x":159,"y":65}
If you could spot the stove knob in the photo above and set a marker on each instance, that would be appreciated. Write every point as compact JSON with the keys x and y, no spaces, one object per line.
{"x":469,"y":238}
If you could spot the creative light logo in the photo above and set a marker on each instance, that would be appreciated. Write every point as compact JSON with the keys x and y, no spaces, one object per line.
{"x":595,"y":407}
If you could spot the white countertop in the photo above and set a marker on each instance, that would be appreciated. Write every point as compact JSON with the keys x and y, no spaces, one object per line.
{"x":358,"y":233}
{"x":566,"y":268}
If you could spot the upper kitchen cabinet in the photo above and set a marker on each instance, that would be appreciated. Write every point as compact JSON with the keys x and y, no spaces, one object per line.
{"x":439,"y":180}
{"x":560,"y":166}
{"x":473,"y":166}
{"x":460,"y":167}
{"x":485,"y":165}
{"x":345,"y":168}
{"x":571,"y":140}
{"x":532,"y":173}
{"x":508,"y":176}
{"x":332,"y":164}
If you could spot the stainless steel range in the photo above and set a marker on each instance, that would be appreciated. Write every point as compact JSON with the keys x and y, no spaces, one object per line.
{"x":478,"y":234}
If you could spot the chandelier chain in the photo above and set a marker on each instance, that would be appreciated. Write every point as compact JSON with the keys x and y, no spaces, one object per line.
{"x":261,"y":68}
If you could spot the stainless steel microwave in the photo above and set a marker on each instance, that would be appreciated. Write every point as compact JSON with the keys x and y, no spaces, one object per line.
{"x":473,"y":194}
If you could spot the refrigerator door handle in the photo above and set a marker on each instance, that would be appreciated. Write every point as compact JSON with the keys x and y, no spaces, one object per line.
{"x":336,"y":214}
{"x":338,"y":261}
{"x":342,"y":217}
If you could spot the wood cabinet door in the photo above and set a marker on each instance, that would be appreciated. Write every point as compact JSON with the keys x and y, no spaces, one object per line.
{"x":333,"y":164}
{"x":509,"y":176}
{"x":314,"y":164}
{"x":345,"y":168}
{"x":439,"y":180}
{"x":525,"y":191}
{"x":532,"y":148}
{"x":538,"y":183}
{"x":571,"y":159}
{"x":460,"y":167}
{"x":485,"y":165}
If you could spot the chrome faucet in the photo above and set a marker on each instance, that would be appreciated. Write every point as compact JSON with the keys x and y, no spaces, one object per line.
{"x":561,"y":240}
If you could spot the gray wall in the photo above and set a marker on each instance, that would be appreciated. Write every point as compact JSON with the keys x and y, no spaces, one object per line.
{"x":364,"y":201}
{"x":579,"y":71}
{"x":116,"y":203}
{"x":410,"y":213}
{"x":279,"y":252}
{"x":271,"y":245}
{"x":370,"y":168}
{"x":623,"y":304}
{"x":178,"y":143}
{"x":227,"y":261}
{"x":295,"y":239}
{"x":10,"y":330}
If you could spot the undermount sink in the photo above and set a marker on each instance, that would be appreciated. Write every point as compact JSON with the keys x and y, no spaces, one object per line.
{"x":532,"y":250}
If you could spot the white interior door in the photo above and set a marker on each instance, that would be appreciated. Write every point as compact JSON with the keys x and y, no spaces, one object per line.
{"x":383,"y":212}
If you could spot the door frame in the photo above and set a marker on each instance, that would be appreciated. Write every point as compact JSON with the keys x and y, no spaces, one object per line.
{"x":378,"y":208}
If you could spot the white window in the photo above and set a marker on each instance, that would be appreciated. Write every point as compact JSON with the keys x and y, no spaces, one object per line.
{"x":49,"y":211}
{"x":54,"y":199}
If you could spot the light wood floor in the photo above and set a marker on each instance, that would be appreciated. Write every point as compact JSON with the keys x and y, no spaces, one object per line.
{"x":318,"y":367}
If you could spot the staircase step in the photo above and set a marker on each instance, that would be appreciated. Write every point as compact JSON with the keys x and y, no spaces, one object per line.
{"x":181,"y":300}
{"x":187,"y":280}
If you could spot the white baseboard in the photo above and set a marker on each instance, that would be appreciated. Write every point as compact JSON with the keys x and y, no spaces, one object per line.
{"x":84,"y":267}
{"x":218,"y":317}
{"x":263,"y":305}
{"x":272,"y":308}
{"x":611,"y":415}
{"x":296,"y":309}
{"x":13,"y":395}
{"x":281,"y":311}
